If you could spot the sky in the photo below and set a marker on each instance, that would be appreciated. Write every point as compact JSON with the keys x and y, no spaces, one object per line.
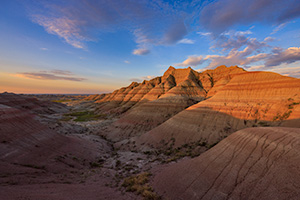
{"x":97,"y":46}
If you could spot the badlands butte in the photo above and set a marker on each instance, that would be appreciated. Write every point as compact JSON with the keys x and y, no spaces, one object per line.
{"x":224,"y":133}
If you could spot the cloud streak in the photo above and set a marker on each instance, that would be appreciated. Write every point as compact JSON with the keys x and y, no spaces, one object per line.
{"x":51,"y":75}
{"x":141,"y":52}
{"x":192,"y":61}
{"x":186,"y":41}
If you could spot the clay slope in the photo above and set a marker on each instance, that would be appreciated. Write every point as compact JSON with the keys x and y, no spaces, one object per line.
{"x":253,"y":163}
{"x":248,"y":99}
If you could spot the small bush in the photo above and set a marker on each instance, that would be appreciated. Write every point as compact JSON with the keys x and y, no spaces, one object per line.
{"x":139,"y":184}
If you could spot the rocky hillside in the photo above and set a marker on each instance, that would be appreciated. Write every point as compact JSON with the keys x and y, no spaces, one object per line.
{"x":248,"y":100}
{"x":254,"y":163}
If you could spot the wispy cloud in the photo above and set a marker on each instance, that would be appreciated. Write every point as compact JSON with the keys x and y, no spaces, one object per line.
{"x":247,"y":58}
{"x":135,"y":80}
{"x":61,"y":72}
{"x":51,"y":75}
{"x":44,"y":49}
{"x":269,"y":39}
{"x":248,"y":32}
{"x":287,"y":56}
{"x":236,"y":41}
{"x":235,"y":57}
{"x":79,"y":21}
{"x":191,"y":61}
{"x":66,"y":28}
{"x":279,"y":27}
{"x":204,"y":33}
{"x":126,"y":61}
{"x":288,"y":71}
{"x":141,"y":51}
{"x":147,"y":77}
{"x":219,"y":16}
{"x":186,"y":41}
{"x":255,"y":68}
{"x":142,"y":78}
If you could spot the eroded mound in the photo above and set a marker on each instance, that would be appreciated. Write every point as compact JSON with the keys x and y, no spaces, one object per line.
{"x":253,"y":163}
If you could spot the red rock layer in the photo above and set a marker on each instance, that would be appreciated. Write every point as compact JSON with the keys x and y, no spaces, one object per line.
{"x":254,"y":163}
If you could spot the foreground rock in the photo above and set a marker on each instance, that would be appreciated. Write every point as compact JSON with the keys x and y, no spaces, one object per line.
{"x":253,"y":163}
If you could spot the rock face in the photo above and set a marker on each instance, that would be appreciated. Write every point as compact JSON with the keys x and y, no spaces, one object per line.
{"x":253,"y":163}
{"x":248,"y":99}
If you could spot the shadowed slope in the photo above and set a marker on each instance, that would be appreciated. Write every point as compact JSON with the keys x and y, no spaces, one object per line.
{"x":253,"y":163}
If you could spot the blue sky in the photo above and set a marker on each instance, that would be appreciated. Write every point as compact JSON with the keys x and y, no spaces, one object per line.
{"x":89,"y":46}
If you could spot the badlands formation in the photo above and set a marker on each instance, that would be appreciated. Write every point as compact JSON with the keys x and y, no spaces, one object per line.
{"x":220,"y":134}
{"x":186,"y":106}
